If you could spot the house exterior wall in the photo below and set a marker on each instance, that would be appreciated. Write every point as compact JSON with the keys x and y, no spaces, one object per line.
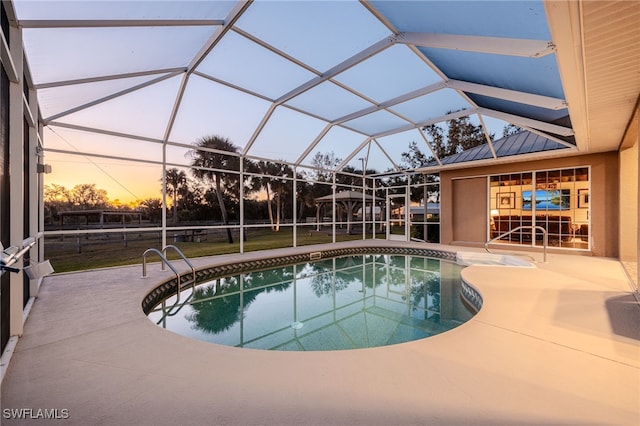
{"x":604,"y":179}
{"x":469,"y":194}
{"x":629,"y":222}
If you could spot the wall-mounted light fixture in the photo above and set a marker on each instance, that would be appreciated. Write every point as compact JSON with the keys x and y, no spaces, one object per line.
{"x":44,"y":168}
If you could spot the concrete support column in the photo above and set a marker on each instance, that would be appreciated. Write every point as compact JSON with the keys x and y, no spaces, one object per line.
{"x":35,"y":186}
{"x":294,"y":201}
{"x":241,"y":191}
{"x":40,"y":190}
{"x":16,"y":192}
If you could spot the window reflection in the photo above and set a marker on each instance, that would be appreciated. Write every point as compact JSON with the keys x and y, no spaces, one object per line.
{"x":557,"y":200}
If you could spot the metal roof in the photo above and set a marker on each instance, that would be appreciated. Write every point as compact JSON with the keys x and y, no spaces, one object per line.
{"x":518,"y":144}
{"x":284,"y":80}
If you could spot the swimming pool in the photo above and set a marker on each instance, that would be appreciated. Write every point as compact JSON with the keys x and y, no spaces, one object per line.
{"x":347,"y":302}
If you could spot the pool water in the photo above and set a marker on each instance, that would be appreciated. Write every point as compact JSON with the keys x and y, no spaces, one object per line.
{"x":347,"y":302}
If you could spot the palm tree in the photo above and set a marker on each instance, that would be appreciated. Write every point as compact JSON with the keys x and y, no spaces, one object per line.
{"x":274,"y":186}
{"x":212,"y":165}
{"x":153,"y":208}
{"x":175,"y":180}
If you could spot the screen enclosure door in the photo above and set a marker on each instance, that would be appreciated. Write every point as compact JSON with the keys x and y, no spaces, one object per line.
{"x":397,"y":221}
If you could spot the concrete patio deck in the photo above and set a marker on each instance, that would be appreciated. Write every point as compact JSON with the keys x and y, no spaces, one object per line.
{"x":554,"y":344}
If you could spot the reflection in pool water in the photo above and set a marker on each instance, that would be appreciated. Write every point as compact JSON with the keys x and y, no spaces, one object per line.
{"x":341,"y":303}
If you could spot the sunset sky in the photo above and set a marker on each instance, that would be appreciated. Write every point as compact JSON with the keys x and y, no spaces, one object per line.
{"x":134,"y":76}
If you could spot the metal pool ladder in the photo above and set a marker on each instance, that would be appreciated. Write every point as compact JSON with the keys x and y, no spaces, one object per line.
{"x":165,"y":261}
{"x":545,"y":240}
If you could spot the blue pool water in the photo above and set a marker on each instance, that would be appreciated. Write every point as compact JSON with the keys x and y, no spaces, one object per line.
{"x":331,"y":304}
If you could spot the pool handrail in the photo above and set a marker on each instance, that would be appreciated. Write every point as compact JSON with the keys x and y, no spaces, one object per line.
{"x":164,"y":260}
{"x":177,"y":250}
{"x":545,"y":238}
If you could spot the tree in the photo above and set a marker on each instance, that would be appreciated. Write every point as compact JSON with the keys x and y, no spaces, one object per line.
{"x":56,"y":199}
{"x":152,"y":207}
{"x":209,"y":164}
{"x":325,"y":164}
{"x":414,"y":159}
{"x":275,"y":186}
{"x":87,"y":196}
{"x":511,"y":129}
{"x":175,"y":182}
{"x":304,"y":196}
{"x":56,"y":193}
{"x":438,"y":143}
{"x":461,"y":135}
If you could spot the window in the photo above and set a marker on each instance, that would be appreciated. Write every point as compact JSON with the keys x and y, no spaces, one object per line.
{"x":556,"y":200}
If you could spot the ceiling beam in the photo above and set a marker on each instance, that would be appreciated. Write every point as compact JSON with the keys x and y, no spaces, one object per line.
{"x":384,"y":151}
{"x":527,"y":122}
{"x":106,"y":78}
{"x":487,"y":136}
{"x":341,"y":67}
{"x":313,"y":144}
{"x":446,"y":117}
{"x":550,"y":137}
{"x":109,"y":97}
{"x":433,"y":152}
{"x":259,"y":129}
{"x":509,"y":95}
{"x":495,"y":45}
{"x":217,"y":35}
{"x":397,"y":100}
{"x":349,"y":157}
{"x":103,"y":132}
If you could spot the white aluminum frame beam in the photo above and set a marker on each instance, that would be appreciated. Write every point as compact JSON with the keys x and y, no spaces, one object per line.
{"x":7,"y":60}
{"x":527,"y":122}
{"x":387,"y":155}
{"x":258,"y":129}
{"x":107,"y":77}
{"x":486,"y":136}
{"x":103,"y":132}
{"x":238,"y":9}
{"x":509,"y":95}
{"x":451,"y":116}
{"x":341,"y":67}
{"x":111,"y":23}
{"x":109,"y":97}
{"x":395,"y":101}
{"x":353,"y":154}
{"x":550,"y":137}
{"x":495,"y":45}
{"x":313,"y":144}
{"x":433,"y":152}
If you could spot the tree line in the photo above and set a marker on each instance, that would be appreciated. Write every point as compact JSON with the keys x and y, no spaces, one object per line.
{"x":212,"y":190}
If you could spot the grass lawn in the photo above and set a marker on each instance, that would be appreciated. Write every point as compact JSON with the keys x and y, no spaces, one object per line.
{"x":106,"y":252}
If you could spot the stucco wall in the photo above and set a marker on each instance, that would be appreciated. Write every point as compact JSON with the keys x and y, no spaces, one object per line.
{"x":604,"y":199}
{"x":628,"y":223}
{"x":469,"y":194}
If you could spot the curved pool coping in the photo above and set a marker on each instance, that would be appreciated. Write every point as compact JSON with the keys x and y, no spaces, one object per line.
{"x":541,"y":339}
{"x":207,"y":273}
